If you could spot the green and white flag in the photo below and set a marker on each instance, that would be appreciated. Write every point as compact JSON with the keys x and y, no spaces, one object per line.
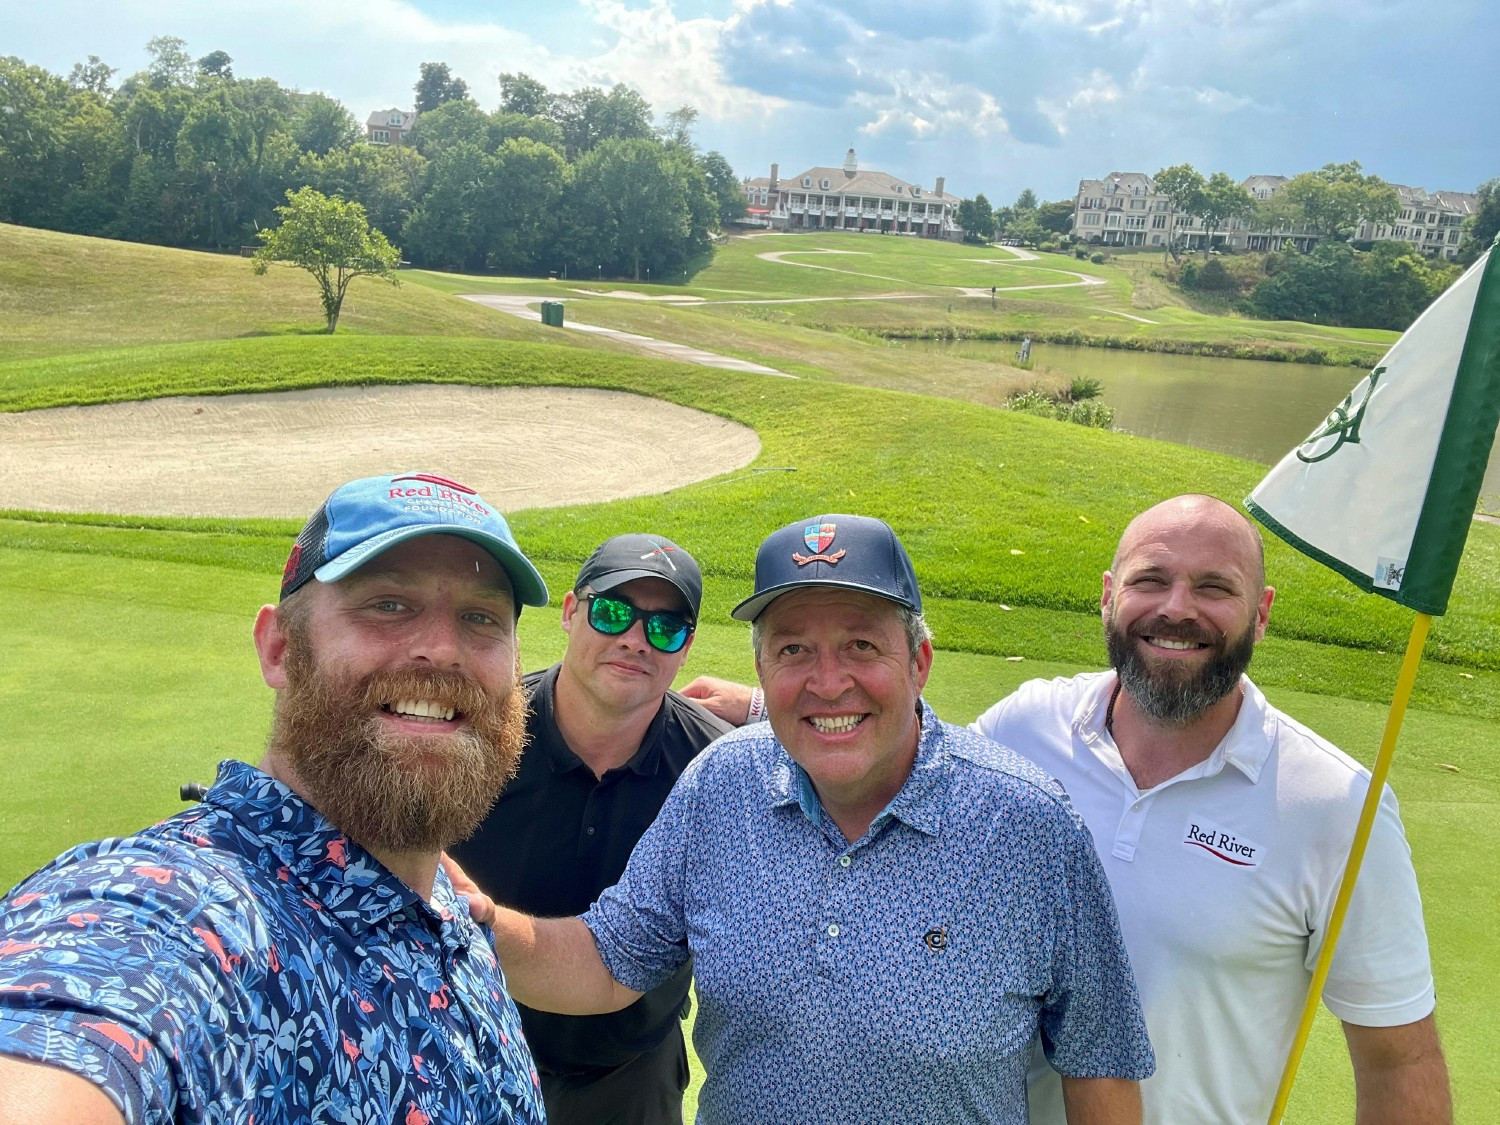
{"x":1384,"y":490}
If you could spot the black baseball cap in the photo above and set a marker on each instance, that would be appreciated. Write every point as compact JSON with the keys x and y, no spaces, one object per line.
{"x":370,"y":515}
{"x":625,"y":558}
{"x":853,"y":552}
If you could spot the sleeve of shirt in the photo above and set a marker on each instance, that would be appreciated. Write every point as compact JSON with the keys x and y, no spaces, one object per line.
{"x":1091,"y":1023}
{"x":94,"y":979}
{"x":991,"y":724}
{"x":640,"y":924}
{"x":1381,"y":974}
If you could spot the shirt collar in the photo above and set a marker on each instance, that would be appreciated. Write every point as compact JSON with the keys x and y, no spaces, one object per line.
{"x":646,"y":761}
{"x":1246,"y":746}
{"x":334,"y":872}
{"x":920,"y":802}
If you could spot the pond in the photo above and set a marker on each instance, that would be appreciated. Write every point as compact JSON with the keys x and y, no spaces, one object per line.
{"x":1250,"y":408}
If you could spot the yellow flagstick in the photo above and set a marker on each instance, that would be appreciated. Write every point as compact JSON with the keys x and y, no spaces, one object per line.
{"x":1378,"y":774}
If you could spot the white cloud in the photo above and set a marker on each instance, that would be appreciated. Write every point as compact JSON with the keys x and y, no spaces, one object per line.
{"x":670,"y":60}
{"x":927,"y":106}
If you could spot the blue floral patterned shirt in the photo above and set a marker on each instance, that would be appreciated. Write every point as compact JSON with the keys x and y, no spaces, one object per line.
{"x":243,"y":962}
{"x":899,"y":978}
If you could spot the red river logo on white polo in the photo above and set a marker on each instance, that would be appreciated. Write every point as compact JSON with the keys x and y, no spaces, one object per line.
{"x":1223,"y":845}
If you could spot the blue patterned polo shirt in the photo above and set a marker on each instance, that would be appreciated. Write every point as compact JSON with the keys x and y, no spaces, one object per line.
{"x":244,"y":962}
{"x":899,"y":978}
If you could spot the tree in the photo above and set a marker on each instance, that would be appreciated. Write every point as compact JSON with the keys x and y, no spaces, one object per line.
{"x":523,"y":94}
{"x":1183,"y":186}
{"x":452,"y":123}
{"x":633,"y":205}
{"x":93,"y":75}
{"x":436,"y":85}
{"x":1332,"y":201}
{"x":1026,"y":201}
{"x":1056,"y":216}
{"x":724,"y":187}
{"x":330,"y":239}
{"x":1387,"y":287}
{"x":321,"y":124}
{"x":1481,"y":227}
{"x":384,"y":179}
{"x":524,"y":194}
{"x":590,"y":116}
{"x":170,"y":63}
{"x":216,"y":64}
{"x":678,"y":127}
{"x":450,"y":226}
{"x":977,"y":218}
{"x":1220,"y":201}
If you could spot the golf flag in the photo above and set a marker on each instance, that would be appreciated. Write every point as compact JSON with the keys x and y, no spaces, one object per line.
{"x":1384,"y":490}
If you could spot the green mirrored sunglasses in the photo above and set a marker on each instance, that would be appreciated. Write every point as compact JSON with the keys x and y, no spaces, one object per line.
{"x":666,"y":630}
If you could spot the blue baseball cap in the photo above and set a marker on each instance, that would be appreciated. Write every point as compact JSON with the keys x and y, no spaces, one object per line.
{"x":853,"y":552}
{"x":361,"y":519}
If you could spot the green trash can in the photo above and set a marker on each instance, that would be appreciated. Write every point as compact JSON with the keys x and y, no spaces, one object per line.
{"x":552,"y":313}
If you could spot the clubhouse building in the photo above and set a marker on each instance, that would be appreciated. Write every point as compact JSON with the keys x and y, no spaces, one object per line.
{"x":850,"y":198}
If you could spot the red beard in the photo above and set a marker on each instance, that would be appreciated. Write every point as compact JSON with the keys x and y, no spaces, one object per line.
{"x":388,"y":790}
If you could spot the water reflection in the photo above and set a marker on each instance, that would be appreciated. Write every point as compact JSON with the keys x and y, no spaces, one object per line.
{"x":1249,"y":408}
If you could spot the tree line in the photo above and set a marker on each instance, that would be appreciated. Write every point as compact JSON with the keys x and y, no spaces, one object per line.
{"x":185,"y":153}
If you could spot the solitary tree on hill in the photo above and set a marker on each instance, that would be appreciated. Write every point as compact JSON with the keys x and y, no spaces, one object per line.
{"x":330,"y":239}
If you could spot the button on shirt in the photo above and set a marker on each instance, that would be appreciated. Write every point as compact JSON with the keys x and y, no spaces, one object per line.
{"x":243,"y":961}
{"x":898,"y":978}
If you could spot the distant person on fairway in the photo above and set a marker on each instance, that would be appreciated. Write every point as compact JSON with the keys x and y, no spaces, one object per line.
{"x":882,"y":910}
{"x":289,"y":951}
{"x":606,"y":739}
{"x":1223,"y":826}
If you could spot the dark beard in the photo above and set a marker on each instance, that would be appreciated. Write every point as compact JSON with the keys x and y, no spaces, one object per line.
{"x":389,"y":791}
{"x":1175,"y":696}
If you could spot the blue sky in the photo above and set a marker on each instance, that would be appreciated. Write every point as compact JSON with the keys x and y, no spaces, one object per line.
{"x":994,"y":96}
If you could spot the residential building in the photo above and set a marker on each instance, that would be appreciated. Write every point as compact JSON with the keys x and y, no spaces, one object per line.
{"x":1431,"y":221}
{"x":1125,"y":209}
{"x":851,"y":198}
{"x":389,"y":126}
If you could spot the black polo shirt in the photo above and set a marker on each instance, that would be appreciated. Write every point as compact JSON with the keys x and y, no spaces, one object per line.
{"x":557,"y":837}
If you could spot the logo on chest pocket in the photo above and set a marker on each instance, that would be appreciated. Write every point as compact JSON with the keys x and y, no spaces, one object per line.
{"x":1228,"y":847}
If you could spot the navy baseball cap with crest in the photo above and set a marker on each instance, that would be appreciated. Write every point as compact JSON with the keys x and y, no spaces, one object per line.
{"x":361,"y":519}
{"x":852,"y":552}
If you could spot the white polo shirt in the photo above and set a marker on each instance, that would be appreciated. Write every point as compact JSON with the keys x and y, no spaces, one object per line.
{"x":1224,"y":877}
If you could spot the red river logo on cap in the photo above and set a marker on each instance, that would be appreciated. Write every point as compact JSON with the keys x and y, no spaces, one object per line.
{"x":818,"y":537}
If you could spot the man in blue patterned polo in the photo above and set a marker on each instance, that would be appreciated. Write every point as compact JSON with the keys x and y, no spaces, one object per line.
{"x":288,"y":951}
{"x":883,"y":910}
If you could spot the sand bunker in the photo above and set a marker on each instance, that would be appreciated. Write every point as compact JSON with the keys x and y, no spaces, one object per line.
{"x":281,"y":454}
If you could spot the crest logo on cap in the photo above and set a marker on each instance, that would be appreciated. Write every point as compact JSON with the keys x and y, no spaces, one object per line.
{"x":818,"y":537}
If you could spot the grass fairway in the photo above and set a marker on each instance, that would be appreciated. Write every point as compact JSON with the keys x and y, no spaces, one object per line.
{"x":868,"y":288}
{"x":130,"y":668}
{"x":63,"y":293}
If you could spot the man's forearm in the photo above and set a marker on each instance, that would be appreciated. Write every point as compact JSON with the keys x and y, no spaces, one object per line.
{"x":1102,"y":1101}
{"x":553,"y":965}
{"x":1400,"y":1076}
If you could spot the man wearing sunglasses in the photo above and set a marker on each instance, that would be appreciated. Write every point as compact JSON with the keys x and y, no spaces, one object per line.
{"x":606,"y":741}
{"x":882,"y":909}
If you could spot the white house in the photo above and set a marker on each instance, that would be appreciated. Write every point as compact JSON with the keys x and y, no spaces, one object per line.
{"x":851,"y":198}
